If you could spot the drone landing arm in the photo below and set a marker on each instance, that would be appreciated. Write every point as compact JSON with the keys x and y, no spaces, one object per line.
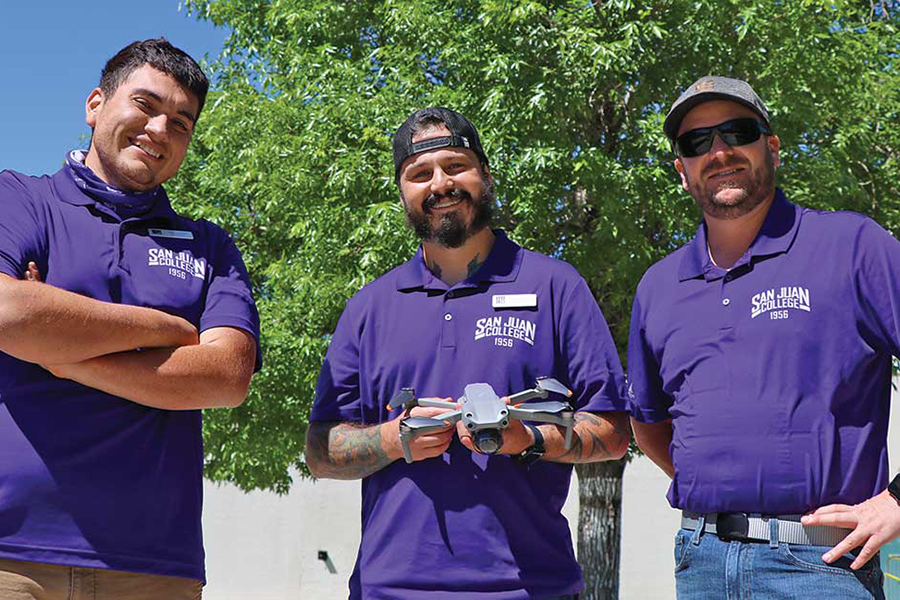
{"x":526,"y":395}
{"x":436,"y":403}
{"x":565,"y":419}
{"x":451,"y":417}
{"x":412,"y":427}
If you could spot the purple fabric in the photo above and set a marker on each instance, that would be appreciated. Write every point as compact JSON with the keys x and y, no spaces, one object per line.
{"x":776,"y":373}
{"x":462,"y":522}
{"x":125,"y":204}
{"x":88,"y":479}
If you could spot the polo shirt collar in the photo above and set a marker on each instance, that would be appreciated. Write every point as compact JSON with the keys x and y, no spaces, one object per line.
{"x":775,"y":237}
{"x":501,"y":265}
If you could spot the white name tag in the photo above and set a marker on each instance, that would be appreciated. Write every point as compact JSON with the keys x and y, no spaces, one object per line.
{"x":514,"y":301}
{"x":171,"y":233}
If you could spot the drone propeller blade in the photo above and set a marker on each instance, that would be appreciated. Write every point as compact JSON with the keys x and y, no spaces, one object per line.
{"x":415,"y":423}
{"x":551,"y":406}
{"x":405,"y":395}
{"x":552,"y":385}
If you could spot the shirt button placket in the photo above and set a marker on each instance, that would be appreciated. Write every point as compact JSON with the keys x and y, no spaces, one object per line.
{"x":727,"y":309}
{"x":448,"y":330}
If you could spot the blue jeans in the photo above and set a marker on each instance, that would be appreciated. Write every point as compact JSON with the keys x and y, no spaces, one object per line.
{"x":707,"y":567}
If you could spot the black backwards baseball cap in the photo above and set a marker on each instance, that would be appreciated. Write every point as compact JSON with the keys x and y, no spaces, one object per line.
{"x":462,"y":135}
{"x":713,"y":88}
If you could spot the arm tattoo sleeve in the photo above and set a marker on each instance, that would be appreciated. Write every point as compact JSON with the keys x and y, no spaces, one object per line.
{"x":345,"y":450}
{"x":588,"y":439}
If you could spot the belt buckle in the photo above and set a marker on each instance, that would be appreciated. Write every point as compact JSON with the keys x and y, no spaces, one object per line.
{"x":733,"y":526}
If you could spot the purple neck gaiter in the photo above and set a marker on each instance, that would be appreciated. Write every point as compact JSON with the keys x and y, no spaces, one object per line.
{"x":125,"y":204}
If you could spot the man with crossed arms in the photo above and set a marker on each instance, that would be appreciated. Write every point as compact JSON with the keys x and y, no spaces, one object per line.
{"x":143,"y":317}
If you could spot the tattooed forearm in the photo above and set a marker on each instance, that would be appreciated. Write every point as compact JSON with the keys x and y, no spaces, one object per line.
{"x":344,"y":450}
{"x":596,"y":438}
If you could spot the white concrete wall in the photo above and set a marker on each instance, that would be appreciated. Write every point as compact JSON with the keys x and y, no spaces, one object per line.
{"x":260,"y":546}
{"x":264,"y":547}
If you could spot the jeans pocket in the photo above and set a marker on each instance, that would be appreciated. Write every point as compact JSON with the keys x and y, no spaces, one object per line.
{"x":810,"y":559}
{"x":682,"y":551}
{"x":804,"y":573}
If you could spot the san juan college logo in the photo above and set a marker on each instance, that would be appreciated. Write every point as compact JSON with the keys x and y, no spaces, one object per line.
{"x":181,"y":264}
{"x":779,"y":302}
{"x":504,"y":332}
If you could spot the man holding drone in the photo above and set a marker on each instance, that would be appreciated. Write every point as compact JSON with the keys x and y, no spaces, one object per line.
{"x":471,"y":307}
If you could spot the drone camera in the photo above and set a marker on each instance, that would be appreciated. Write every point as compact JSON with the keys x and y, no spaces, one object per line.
{"x":488,"y":441}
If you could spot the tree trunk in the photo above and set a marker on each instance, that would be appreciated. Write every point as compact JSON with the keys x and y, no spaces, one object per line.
{"x":599,"y":522}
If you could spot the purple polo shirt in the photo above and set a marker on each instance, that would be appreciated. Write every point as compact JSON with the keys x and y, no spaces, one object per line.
{"x":88,"y":479}
{"x":479,"y":525}
{"x":776,"y":374}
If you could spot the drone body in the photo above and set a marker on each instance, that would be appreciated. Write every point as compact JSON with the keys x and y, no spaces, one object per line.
{"x":485,"y":415}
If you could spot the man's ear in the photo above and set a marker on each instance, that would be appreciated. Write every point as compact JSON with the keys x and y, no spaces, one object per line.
{"x":92,"y":107}
{"x":774,"y":143}
{"x":679,"y":166}
{"x":487,"y":175}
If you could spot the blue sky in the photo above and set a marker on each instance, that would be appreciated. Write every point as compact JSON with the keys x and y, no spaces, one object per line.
{"x":51,"y":53}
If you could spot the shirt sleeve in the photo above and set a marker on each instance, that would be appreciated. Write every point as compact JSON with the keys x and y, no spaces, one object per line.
{"x":229,"y":301}
{"x":594,"y":369}
{"x":647,"y":401}
{"x":877,"y":286}
{"x":338,"y":390}
{"x":21,"y":230}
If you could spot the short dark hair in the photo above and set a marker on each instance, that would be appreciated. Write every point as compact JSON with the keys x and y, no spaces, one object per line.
{"x":425,"y":119}
{"x":162,"y":56}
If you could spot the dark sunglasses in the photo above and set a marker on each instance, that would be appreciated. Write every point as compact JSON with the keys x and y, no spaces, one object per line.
{"x":735,"y":132}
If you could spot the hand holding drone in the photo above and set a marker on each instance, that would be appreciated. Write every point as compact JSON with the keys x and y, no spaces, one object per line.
{"x":485,"y":415}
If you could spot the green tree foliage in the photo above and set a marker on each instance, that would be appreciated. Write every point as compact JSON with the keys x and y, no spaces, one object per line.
{"x":293,"y":152}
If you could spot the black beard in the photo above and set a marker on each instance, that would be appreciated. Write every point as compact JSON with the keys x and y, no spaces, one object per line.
{"x":451,"y":231}
{"x":762,"y":183}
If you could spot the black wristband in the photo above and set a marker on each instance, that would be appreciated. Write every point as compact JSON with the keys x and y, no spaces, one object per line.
{"x":894,"y":487}
{"x":531,"y":455}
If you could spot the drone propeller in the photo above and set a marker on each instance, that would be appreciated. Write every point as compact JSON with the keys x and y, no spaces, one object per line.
{"x":551,"y":385}
{"x":543,"y":386}
{"x":404,"y":397}
{"x":551,"y":406}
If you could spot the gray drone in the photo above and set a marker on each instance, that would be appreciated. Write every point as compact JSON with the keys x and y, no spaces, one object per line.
{"x":485,"y":414}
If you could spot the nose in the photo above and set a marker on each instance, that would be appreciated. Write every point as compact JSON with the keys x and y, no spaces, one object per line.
{"x":441,"y":182}
{"x":157,"y":127}
{"x":719,"y":145}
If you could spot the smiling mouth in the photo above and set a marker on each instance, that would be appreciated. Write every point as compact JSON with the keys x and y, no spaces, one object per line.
{"x":149,"y":151}
{"x":447,"y":203}
{"x":727,"y":173}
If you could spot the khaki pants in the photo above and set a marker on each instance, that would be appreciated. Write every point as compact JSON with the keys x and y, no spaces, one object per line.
{"x":38,"y":581}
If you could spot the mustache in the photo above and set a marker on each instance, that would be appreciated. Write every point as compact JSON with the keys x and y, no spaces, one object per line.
{"x":719,"y":165}
{"x":453,"y":194}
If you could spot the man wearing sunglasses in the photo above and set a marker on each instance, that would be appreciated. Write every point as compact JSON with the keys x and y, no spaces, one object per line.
{"x":759,"y":365}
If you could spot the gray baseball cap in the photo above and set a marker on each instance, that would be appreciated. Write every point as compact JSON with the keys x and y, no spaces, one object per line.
{"x":713,"y":88}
